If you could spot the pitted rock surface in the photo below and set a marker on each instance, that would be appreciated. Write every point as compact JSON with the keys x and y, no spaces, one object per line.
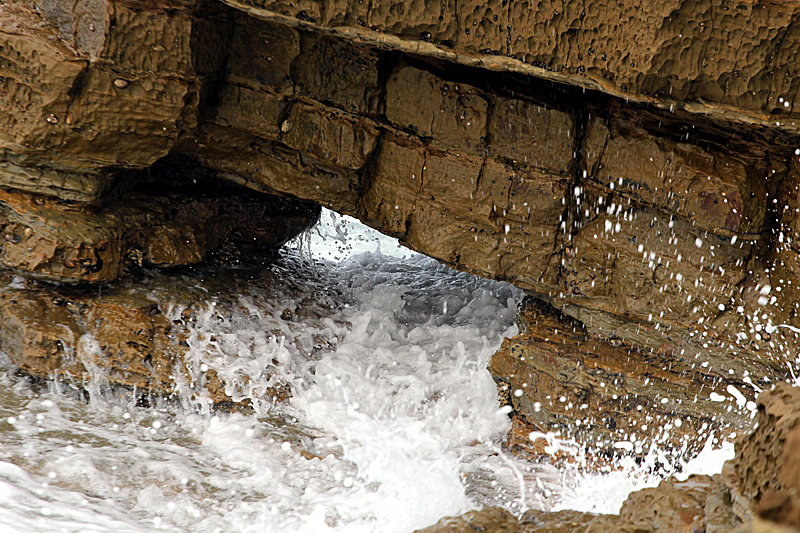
{"x":729,"y":59}
{"x":767,"y":464}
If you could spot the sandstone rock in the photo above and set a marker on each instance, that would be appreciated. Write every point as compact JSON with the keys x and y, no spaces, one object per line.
{"x":490,"y":519}
{"x":59,"y":81}
{"x":726,"y":61}
{"x":767,"y":461}
{"x":49,"y":333}
{"x":504,"y":174}
{"x":710,"y":187}
{"x":537,"y":200}
{"x":672,"y":506}
{"x":452,"y":113}
{"x":120,"y":335}
{"x":69,"y":242}
{"x":562,"y":378}
{"x":493,"y":519}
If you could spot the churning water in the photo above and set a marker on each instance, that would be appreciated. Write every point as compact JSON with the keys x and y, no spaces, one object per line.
{"x":393,"y":423}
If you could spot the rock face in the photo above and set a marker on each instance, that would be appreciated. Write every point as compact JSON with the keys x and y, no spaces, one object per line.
{"x":633,"y":167}
{"x":49,"y":239}
{"x":729,"y":59}
{"x":563,"y":379}
{"x":767,"y":462}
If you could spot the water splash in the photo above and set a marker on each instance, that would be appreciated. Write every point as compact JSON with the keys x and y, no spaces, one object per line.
{"x":393,"y":422}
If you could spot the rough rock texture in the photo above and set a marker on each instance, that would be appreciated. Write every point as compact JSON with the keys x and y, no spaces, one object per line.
{"x":494,"y":519}
{"x":620,"y":399}
{"x":735,"y":60}
{"x":767,"y":464}
{"x":669,"y":233}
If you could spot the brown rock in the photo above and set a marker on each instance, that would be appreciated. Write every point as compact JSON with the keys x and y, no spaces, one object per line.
{"x":767,"y":464}
{"x":346,"y":75}
{"x":504,"y":174}
{"x":331,"y":136}
{"x":533,"y":134}
{"x":710,"y":188}
{"x":616,"y":398}
{"x":489,"y":519}
{"x":672,"y":506}
{"x":452,"y":113}
{"x":728,"y":62}
{"x":120,"y":336}
{"x":53,"y":240}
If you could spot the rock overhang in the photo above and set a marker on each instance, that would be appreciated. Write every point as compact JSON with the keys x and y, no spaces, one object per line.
{"x":657,"y":220}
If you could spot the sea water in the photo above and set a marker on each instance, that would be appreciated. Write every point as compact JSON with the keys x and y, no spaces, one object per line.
{"x":394,"y":420}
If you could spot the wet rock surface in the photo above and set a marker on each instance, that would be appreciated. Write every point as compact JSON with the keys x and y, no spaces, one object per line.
{"x":133,"y":333}
{"x":646,"y":201}
{"x":650,"y":226}
{"x":612,"y":396}
{"x":766,"y":466}
{"x":755,"y":492}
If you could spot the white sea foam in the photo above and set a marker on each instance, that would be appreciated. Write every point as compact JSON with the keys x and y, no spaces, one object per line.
{"x":393,"y":423}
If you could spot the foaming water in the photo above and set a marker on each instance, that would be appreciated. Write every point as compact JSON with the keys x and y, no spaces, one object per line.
{"x":605,"y":489}
{"x":393,"y":420}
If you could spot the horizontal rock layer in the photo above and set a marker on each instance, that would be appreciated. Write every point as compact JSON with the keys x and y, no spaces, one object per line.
{"x":729,"y":59}
{"x":614,"y":397}
{"x":50,"y":239}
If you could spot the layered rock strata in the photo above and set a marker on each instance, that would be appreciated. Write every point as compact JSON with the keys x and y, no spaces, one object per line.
{"x":665,"y":231}
{"x":152,"y":225}
{"x":732,"y":60}
{"x":612,"y":396}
